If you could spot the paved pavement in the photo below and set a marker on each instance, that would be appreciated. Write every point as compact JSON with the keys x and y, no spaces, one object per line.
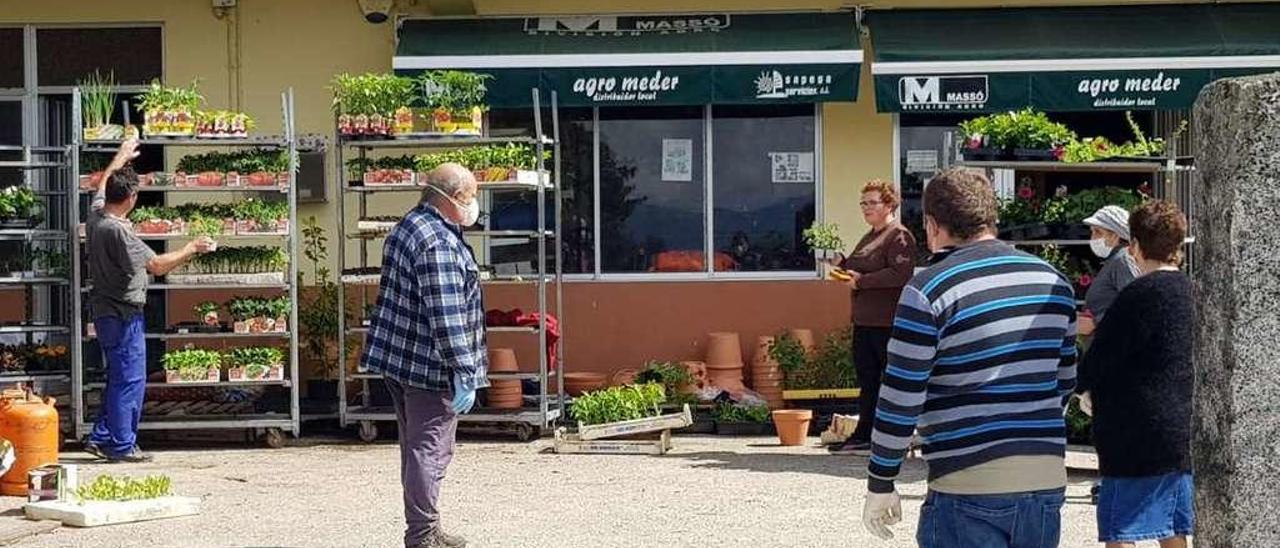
{"x":712,"y":492}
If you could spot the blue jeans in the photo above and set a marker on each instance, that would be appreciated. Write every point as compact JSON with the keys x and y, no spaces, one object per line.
{"x":1014,"y":520}
{"x":124,"y":346}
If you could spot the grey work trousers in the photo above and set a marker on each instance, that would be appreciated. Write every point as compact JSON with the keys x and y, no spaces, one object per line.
{"x":428,"y":428}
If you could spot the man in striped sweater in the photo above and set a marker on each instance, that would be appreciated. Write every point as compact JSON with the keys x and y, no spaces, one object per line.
{"x":981,"y":361}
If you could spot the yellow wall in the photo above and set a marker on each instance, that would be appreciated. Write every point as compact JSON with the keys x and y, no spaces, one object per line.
{"x":303,"y":43}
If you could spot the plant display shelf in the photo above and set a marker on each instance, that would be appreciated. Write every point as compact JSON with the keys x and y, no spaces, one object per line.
{"x":39,"y":161}
{"x":531,"y":420}
{"x":1081,"y":167}
{"x":275,"y":424}
{"x":1060,"y":243}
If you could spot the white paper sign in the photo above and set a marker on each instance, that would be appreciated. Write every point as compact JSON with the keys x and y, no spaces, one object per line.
{"x":922,"y":161}
{"x":791,"y":167}
{"x":677,"y":160}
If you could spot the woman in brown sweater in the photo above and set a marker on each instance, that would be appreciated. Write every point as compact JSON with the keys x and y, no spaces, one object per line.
{"x":881,"y":264}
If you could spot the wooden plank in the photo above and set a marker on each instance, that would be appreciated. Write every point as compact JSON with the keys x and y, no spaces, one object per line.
{"x":97,"y":513}
{"x":638,"y":426}
{"x":571,"y":444}
{"x":822,"y":394}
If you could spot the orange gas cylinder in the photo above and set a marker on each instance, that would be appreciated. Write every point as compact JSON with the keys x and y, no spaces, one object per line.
{"x":31,"y":424}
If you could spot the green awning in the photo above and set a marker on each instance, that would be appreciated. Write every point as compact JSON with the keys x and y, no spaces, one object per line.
{"x":688,"y":59}
{"x":1097,"y":58}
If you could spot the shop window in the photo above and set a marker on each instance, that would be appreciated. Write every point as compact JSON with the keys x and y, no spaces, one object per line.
{"x":518,"y":211}
{"x":11,"y":123}
{"x":764,"y":177}
{"x":11,"y":58}
{"x":652,"y":190}
{"x":67,"y":55}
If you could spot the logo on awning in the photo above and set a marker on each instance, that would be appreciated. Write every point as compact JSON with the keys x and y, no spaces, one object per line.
{"x":943,"y":92}
{"x":611,"y":25}
{"x":772,"y":84}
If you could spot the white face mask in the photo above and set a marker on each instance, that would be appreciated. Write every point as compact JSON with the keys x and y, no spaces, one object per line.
{"x":1100,"y":247}
{"x":470,"y":212}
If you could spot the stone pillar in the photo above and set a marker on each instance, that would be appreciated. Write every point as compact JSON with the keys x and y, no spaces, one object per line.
{"x":1236,"y":439}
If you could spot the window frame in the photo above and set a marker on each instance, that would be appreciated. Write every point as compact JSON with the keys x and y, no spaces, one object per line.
{"x":708,"y":219}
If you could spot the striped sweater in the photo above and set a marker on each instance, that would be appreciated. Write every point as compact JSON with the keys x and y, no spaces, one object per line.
{"x":981,"y":361}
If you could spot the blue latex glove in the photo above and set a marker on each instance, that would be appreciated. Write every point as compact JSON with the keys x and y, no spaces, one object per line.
{"x":464,"y":395}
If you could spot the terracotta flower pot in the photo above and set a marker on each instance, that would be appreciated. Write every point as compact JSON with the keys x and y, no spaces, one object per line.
{"x":805,"y":336}
{"x":576,"y":384}
{"x":726,"y":377}
{"x":503,"y":360}
{"x":724,"y":349}
{"x":698,"y":370}
{"x":792,"y":425}
{"x":762,"y":350}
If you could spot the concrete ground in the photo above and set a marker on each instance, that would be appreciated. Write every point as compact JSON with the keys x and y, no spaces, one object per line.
{"x":711,"y":492}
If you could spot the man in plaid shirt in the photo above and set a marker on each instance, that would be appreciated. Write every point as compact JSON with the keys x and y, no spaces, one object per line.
{"x":427,"y":338}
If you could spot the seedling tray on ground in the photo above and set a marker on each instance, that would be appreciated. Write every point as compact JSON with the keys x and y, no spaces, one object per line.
{"x":637,"y":426}
{"x":96,"y":513}
{"x":573,"y":444}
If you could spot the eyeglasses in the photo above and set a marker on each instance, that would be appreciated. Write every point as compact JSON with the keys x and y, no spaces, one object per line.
{"x":866,"y":205}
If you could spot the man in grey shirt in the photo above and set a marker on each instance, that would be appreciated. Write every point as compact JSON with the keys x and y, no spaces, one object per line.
{"x":119,"y":265}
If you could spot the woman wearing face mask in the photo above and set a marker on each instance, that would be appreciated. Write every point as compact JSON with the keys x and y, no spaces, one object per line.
{"x":1109,"y":239}
{"x":880,"y":266}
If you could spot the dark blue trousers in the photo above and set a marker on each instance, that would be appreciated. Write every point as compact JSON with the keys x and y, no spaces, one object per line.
{"x":125,"y":349}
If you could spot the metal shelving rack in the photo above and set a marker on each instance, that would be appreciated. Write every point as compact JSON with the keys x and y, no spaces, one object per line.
{"x":528,"y":421}
{"x":273,"y":424}
{"x":64,"y":320}
{"x":1169,"y":168}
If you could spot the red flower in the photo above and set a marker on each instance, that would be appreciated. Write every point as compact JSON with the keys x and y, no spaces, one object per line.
{"x":1059,"y":152}
{"x":1145,"y":189}
{"x":1085,"y":280}
{"x":1026,"y":193}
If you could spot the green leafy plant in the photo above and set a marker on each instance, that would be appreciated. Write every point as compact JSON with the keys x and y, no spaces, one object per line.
{"x":318,"y":313}
{"x":1025,"y":129}
{"x":372,"y":93}
{"x":198,"y":226}
{"x":98,"y":99}
{"x":453,"y":91}
{"x":732,"y":412}
{"x":823,"y":237}
{"x":830,"y":365}
{"x":675,"y":378}
{"x":18,"y":202}
{"x":192,"y":364}
{"x":264,"y":356}
{"x":1079,"y":425}
{"x":619,"y":403}
{"x":509,"y":156}
{"x":159,"y":98}
{"x":124,"y":488}
{"x":206,"y":307}
{"x":240,"y":260}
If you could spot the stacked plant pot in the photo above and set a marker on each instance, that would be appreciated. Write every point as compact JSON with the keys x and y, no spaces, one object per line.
{"x":766,"y":375}
{"x":577,"y":384}
{"x":724,"y":361}
{"x":504,"y":393}
{"x":804,"y":336}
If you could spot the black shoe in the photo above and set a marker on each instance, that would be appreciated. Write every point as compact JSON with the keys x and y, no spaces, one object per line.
{"x":856,"y":448}
{"x":437,"y":538}
{"x":93,"y":449}
{"x":134,"y":455}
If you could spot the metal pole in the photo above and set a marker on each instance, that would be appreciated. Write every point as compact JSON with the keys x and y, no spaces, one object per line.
{"x":73,"y":254}
{"x":542,"y":264}
{"x":294,"y":408}
{"x":555,"y":158}
{"x":341,"y":239}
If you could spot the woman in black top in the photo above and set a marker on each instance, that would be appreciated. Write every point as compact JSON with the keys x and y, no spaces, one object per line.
{"x":1139,"y":374}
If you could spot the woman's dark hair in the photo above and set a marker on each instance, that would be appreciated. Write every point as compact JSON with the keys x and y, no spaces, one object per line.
{"x":1159,"y":228}
{"x":122,"y":184}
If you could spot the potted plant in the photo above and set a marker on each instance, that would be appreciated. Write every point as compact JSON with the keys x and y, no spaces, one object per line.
{"x":207,"y":313}
{"x":676,"y":380}
{"x":243,"y":311}
{"x":824,"y":239}
{"x":456,"y":100}
{"x":734,"y":419}
{"x":170,"y":112}
{"x":255,"y":364}
{"x":1023,"y":135}
{"x":390,"y":170}
{"x":19,"y":207}
{"x":98,"y":104}
{"x":366,"y":105}
{"x":223,"y":124}
{"x":47,"y":263}
{"x":318,"y":317}
{"x":1021,"y":217}
{"x":205,"y":170}
{"x":192,"y":365}
{"x":157,"y":221}
{"x":618,"y":404}
{"x":260,"y":217}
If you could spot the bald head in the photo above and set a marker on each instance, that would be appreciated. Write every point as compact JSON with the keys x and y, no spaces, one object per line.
{"x":450,"y":186}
